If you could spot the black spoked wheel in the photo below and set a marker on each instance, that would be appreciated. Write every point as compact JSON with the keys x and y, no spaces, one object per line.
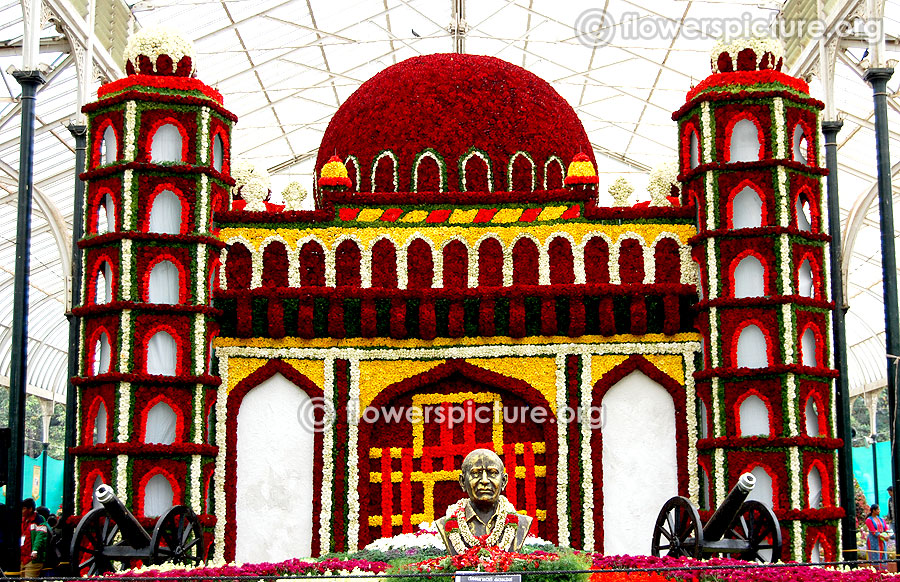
{"x":678,"y":531}
{"x":757,"y":526}
{"x":94,"y":533}
{"x":177,"y":538}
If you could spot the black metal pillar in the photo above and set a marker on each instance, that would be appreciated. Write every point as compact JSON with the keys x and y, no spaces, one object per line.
{"x":842,"y":385}
{"x":79,"y":132}
{"x":44,"y":447}
{"x":878,"y":78}
{"x":18,"y":372}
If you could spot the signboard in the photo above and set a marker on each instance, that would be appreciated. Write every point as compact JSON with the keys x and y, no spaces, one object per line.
{"x":36,"y":482}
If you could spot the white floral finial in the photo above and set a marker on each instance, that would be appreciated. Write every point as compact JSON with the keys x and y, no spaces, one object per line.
{"x":294,"y":194}
{"x":157,"y":41}
{"x":662,"y":178}
{"x":243,"y":171}
{"x":621,"y":190}
{"x":254,"y":193}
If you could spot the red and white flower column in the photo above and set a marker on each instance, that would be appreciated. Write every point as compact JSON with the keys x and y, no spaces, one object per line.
{"x":749,"y":155}
{"x":158,"y":169}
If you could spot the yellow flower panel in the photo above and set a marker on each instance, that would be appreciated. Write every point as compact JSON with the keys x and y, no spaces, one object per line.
{"x":415,"y":216}
{"x":240,"y":368}
{"x":505,"y":215}
{"x":539,"y":373}
{"x":376,"y":375}
{"x":551,"y":213}
{"x":370,"y":214}
{"x":600,"y":365}
{"x":312,"y":369}
{"x":463,"y":216}
{"x":470,"y":234}
{"x":670,"y":365}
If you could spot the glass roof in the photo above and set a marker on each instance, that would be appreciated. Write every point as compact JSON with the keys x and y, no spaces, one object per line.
{"x":285,"y":66}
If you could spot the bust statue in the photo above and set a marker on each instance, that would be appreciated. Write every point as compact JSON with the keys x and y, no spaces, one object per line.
{"x":486,"y":518}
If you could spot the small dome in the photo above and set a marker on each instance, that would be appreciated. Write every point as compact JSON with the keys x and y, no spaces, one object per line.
{"x":454,"y":105}
{"x":581,"y":171}
{"x":334,"y":174}
{"x":159,"y":51}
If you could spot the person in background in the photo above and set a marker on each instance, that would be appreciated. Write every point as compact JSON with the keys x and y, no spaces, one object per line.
{"x":891,"y":519}
{"x":876,"y":541}
{"x":35,"y":537}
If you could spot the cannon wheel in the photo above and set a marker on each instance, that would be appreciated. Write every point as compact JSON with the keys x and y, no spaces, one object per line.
{"x":757,"y":525}
{"x":177,"y":538}
{"x":95,"y":532}
{"x":678,"y":531}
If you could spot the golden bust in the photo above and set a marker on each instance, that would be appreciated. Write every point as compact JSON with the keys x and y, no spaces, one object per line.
{"x":486,"y":518}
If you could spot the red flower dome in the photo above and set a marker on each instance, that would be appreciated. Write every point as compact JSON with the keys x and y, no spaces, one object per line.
{"x":454,"y":106}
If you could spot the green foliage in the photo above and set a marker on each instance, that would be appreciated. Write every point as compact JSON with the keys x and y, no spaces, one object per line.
{"x":34,"y":428}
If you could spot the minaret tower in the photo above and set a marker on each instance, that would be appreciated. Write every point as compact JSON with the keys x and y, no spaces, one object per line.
{"x":750,"y":163}
{"x":158,"y":168}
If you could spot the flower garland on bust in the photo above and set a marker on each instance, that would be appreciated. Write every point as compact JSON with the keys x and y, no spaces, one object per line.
{"x":502,"y":534}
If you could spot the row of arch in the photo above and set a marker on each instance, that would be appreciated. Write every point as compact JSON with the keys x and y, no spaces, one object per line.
{"x":455,"y":265}
{"x":166,"y":284}
{"x":749,"y":277}
{"x":745,"y":141}
{"x":156,"y":492}
{"x":162,"y":353}
{"x":475,"y":170}
{"x":754,"y":416}
{"x":747,"y":208}
{"x":168,"y":144}
{"x":754,"y":348}
{"x":168,"y":214}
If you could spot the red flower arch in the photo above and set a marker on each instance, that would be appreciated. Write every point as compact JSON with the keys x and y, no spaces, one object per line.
{"x":183,"y":276}
{"x":610,"y":379}
{"x":233,"y":406}
{"x":737,"y":411}
{"x":760,"y":135}
{"x":767,"y":334}
{"x":764,"y":210}
{"x":732,"y":268}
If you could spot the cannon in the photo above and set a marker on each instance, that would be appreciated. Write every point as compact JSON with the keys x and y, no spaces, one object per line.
{"x":111,"y":534}
{"x":741,"y":529}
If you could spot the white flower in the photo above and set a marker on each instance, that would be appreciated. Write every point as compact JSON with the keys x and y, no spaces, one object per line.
{"x":662,"y":178}
{"x":254,"y":193}
{"x":159,"y":40}
{"x":294,"y":194}
{"x":243,"y":171}
{"x":760,"y":46}
{"x":621,"y":190}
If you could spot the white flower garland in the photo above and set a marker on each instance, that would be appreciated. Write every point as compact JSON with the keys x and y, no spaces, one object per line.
{"x":203,"y":199}
{"x":587,"y":471}
{"x":442,"y":170}
{"x":396,"y":171}
{"x":551,"y":160}
{"x":327,"y":462}
{"x":125,"y":347}
{"x":353,"y":458}
{"x":130,"y":129}
{"x":562,"y":469}
{"x":779,"y":123}
{"x":199,"y":343}
{"x":195,"y":500}
{"x":199,"y":423}
{"x":706,"y":134}
{"x":690,"y":396}
{"x":222,"y":443}
{"x":203,"y":137}
{"x":487,"y":163}
{"x":127,"y":177}
{"x":509,"y":171}
{"x":124,"y":411}
{"x":502,"y":534}
{"x":122,"y":479}
{"x":155,"y":41}
{"x":202,"y":288}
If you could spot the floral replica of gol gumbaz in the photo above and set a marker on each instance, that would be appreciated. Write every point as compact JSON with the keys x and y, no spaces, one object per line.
{"x":456,"y":262}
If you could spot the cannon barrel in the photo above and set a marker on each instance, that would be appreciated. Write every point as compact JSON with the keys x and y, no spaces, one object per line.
{"x":133,"y":532}
{"x":718,"y":524}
